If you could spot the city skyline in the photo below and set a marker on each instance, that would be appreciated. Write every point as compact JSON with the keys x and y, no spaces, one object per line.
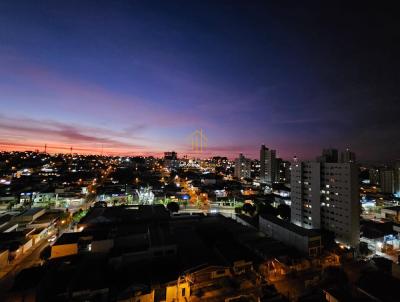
{"x":203,"y":150}
{"x":137,"y":78}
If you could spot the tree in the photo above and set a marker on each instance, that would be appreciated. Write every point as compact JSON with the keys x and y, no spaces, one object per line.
{"x":266,"y":208}
{"x":173,"y":207}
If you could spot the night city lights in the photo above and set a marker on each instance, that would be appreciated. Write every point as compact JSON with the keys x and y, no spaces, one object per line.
{"x":188,"y":151}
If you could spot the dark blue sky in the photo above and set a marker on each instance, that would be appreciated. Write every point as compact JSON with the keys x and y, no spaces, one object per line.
{"x":140,"y":76}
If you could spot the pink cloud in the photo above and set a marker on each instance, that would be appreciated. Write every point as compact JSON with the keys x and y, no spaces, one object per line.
{"x":34,"y":133}
{"x":89,"y":98}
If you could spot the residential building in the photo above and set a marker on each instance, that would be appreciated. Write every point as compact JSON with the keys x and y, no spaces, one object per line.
{"x":325,"y":195}
{"x":283,"y":172}
{"x":347,"y":156}
{"x":242,"y":167}
{"x":329,"y":155}
{"x":307,"y":241}
{"x":171,"y":160}
{"x":387,"y":180}
{"x":397,"y":178}
{"x":373,"y":176}
{"x":268,"y":165}
{"x":170,"y":155}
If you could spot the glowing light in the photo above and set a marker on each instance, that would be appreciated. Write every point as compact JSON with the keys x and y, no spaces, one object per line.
{"x":146,"y":195}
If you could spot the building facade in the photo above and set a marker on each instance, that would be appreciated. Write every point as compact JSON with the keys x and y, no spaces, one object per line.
{"x":268,"y":165}
{"x":171,"y":161}
{"x":373,"y":176}
{"x":347,"y":156}
{"x":242,"y":167}
{"x":284,"y":170}
{"x":397,"y":178}
{"x":387,"y":180}
{"x":329,"y":155}
{"x":325,"y":195}
{"x":307,"y":241}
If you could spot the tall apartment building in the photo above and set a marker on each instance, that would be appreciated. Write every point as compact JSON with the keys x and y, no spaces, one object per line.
{"x":347,"y":156}
{"x":171,"y":160}
{"x":374,"y":176}
{"x":283,"y":171}
{"x":329,"y":155}
{"x":325,"y":196}
{"x":268,"y":165}
{"x":242,"y":167}
{"x":387,"y":180}
{"x":397,"y":178}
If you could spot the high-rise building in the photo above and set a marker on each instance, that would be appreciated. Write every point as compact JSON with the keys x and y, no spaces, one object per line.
{"x":325,"y":195}
{"x":373,"y":176}
{"x":283,"y":173}
{"x":268,"y":165}
{"x":397,"y":178}
{"x":329,"y":155}
{"x":170,"y":155}
{"x":347,"y":156}
{"x":171,"y":160}
{"x":387,"y":180}
{"x":242,"y":167}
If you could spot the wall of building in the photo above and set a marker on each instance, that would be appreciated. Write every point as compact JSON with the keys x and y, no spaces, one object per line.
{"x":39,"y":236}
{"x":287,"y":236}
{"x":268,"y":165}
{"x":305,"y":190}
{"x":387,"y":181}
{"x":242,"y":167}
{"x":63,"y":250}
{"x":27,"y":245}
{"x":326,"y":195}
{"x":178,"y":293}
{"x":3,"y":258}
{"x":102,"y":246}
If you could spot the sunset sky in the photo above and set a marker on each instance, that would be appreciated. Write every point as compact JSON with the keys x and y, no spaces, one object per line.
{"x":137,"y":77}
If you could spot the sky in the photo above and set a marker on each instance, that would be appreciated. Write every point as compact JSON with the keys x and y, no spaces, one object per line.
{"x":138,"y":77}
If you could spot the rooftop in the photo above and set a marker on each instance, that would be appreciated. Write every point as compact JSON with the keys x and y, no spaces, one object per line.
{"x":292,"y":227}
{"x":70,"y":238}
{"x":125,"y":214}
{"x":31,"y":211}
